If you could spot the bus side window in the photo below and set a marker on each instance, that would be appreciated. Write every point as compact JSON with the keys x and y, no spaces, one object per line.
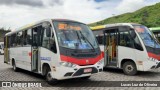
{"x":49,"y":42}
{"x":125,"y":38}
{"x":27,"y":37}
{"x":100,"y":39}
{"x":137,"y":43}
{"x":13,"y":40}
{"x":24,"y":38}
{"x":53,"y":43}
{"x":19,"y":39}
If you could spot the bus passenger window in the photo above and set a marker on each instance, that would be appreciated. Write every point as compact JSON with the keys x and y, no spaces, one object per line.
{"x":27,"y":37}
{"x":13,"y":40}
{"x":19,"y":39}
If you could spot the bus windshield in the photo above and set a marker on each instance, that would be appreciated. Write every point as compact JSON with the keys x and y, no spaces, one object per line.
{"x":147,"y":37}
{"x":74,"y":35}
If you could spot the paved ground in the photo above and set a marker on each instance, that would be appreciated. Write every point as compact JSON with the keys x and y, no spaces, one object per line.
{"x":7,"y":74}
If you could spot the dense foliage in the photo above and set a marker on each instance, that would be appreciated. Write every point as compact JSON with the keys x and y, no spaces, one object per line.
{"x":149,"y":16}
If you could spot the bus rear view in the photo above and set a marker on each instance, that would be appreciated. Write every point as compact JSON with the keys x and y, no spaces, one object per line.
{"x":129,"y":46}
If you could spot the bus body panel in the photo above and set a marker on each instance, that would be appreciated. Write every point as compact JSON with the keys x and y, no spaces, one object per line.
{"x":48,"y":57}
{"x":134,"y":55}
{"x":21,"y":56}
{"x":141,"y":58}
{"x":26,"y":57}
{"x":125,"y":53}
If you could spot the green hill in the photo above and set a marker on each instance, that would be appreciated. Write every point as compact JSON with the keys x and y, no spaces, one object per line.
{"x":149,"y":16}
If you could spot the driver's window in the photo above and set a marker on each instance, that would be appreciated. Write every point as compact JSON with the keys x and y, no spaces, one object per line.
{"x":46,"y":39}
{"x":125,"y":38}
{"x":49,"y":41}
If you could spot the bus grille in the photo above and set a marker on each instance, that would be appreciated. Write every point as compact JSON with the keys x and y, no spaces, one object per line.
{"x":84,"y":55}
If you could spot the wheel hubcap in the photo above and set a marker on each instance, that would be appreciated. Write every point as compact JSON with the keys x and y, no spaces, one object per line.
{"x":129,"y":68}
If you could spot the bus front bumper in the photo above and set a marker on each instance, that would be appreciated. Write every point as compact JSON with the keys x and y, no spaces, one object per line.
{"x":77,"y":72}
{"x":151,"y":65}
{"x":156,"y":66}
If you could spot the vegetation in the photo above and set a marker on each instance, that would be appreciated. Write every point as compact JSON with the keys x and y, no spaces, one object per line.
{"x":149,"y":16}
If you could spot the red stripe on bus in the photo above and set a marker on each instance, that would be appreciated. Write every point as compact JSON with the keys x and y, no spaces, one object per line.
{"x":154,"y":56}
{"x":102,"y":53}
{"x":30,"y":54}
{"x":83,"y":61}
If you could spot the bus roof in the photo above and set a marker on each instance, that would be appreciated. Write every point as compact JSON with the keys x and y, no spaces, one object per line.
{"x":112,"y":25}
{"x":33,"y":24}
{"x":155,"y":29}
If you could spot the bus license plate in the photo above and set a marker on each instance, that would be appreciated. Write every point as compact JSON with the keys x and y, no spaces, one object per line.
{"x":87,"y":70}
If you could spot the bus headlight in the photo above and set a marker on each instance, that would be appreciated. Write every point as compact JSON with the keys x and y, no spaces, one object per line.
{"x":153,"y":59}
{"x":100,"y":62}
{"x":68,"y":64}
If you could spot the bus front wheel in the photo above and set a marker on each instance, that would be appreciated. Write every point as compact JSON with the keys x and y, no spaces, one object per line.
{"x":49,"y":78}
{"x":129,"y":68}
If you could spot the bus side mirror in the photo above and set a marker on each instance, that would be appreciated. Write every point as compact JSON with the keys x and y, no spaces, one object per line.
{"x":133,"y":34}
{"x":48,"y":32}
{"x":47,"y":26}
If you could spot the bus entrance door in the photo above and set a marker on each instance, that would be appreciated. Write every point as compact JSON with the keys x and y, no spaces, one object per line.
{"x":35,"y":51}
{"x":110,"y":47}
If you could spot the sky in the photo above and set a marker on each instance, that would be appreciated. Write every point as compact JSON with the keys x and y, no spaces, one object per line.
{"x":16,"y":13}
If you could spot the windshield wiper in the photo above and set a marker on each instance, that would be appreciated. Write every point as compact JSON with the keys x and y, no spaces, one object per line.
{"x":87,"y":40}
{"x":77,"y":44}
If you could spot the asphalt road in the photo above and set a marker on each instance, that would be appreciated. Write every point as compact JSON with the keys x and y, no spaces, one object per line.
{"x":7,"y":74}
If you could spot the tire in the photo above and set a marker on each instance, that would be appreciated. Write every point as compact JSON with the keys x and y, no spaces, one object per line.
{"x":129,"y":68}
{"x":14,"y":66}
{"x":87,"y":77}
{"x":49,"y":78}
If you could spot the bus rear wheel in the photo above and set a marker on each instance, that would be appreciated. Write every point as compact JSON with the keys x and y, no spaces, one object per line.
{"x":49,"y":78}
{"x":129,"y":68}
{"x":14,"y":66}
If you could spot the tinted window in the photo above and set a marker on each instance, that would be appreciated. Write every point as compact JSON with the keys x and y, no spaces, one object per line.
{"x":125,"y":39}
{"x":19,"y":39}
{"x":27,"y":35}
{"x":13,"y":40}
{"x":100,"y":39}
{"x":128,"y":38}
{"x":49,"y":42}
